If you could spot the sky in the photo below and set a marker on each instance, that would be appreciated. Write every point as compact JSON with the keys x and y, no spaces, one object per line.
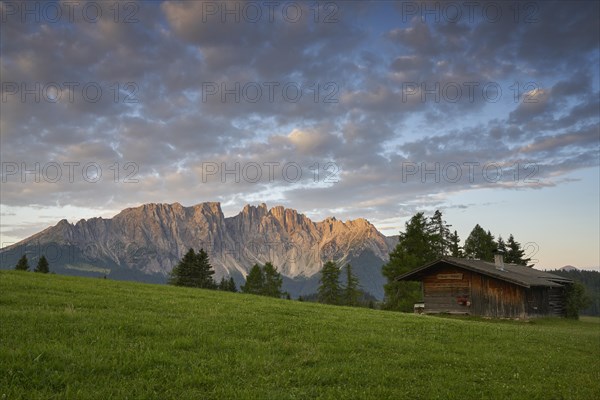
{"x":487,"y":111}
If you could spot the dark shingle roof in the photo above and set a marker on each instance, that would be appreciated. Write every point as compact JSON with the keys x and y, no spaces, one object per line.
{"x":517,"y":274}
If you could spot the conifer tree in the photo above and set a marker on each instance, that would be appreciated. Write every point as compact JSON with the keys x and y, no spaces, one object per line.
{"x":351,"y":291}
{"x":576,"y":299}
{"x":254,"y":281}
{"x":514,"y":253}
{"x":227,"y":285}
{"x":181,"y":274}
{"x":480,"y":244}
{"x":202,"y":272}
{"x":272,"y":281}
{"x":413,"y":250}
{"x":42,"y":265}
{"x":194,"y":270}
{"x":329,"y":288}
{"x":231,"y":287}
{"x":22,"y":264}
{"x":502,"y":247}
{"x":455,"y":249}
{"x":439,"y":232}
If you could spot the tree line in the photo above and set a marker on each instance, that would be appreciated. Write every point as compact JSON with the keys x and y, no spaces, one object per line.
{"x":330,"y":290}
{"x":43,"y":266}
{"x":195,"y":270}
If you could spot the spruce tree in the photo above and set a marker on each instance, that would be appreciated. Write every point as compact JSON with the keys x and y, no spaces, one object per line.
{"x":351,"y":291}
{"x":273,"y":281}
{"x":329,"y":288}
{"x":231,"y":287}
{"x":480,"y":244}
{"x":414,"y":249}
{"x":514,"y":253}
{"x":181,"y":275}
{"x":223,"y":284}
{"x":502,"y":248}
{"x":439,"y":232}
{"x":42,"y":265}
{"x":202,"y":272}
{"x":455,"y":249}
{"x":22,"y":264}
{"x":227,"y":285}
{"x":254,"y":281}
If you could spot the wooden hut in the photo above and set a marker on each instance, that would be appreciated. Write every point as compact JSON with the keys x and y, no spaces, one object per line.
{"x":466,"y":286}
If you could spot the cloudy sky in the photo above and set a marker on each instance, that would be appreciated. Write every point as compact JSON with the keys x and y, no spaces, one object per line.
{"x":489,"y":112}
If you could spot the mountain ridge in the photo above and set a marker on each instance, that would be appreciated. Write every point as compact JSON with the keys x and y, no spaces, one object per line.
{"x":148,"y":240}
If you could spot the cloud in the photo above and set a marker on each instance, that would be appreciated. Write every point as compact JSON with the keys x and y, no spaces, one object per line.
{"x":364,"y":114}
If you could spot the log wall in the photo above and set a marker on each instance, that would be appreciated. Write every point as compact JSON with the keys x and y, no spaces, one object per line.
{"x":449,"y":289}
{"x":446,"y":289}
{"x":495,"y":298}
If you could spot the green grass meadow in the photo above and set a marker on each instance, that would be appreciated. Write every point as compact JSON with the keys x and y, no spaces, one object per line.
{"x":82,"y":338}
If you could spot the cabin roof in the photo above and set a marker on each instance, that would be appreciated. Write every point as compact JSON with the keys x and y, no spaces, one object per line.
{"x":517,"y":274}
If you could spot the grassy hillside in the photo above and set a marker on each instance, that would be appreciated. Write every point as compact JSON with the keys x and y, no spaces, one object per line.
{"x":77,"y":338}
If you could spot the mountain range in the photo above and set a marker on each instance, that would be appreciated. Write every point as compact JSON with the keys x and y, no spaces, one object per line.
{"x":144,"y":243}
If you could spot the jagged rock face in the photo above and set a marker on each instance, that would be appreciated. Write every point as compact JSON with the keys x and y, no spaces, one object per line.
{"x":152,"y":238}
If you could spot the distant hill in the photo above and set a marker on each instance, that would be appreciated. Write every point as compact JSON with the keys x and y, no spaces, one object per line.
{"x":144,"y":244}
{"x":568,"y":268}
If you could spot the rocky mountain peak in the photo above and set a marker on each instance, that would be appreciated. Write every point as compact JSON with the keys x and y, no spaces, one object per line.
{"x":152,"y":238}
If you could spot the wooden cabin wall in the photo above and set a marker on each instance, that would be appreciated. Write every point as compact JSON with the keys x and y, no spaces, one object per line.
{"x":557,"y":302}
{"x":495,"y":298}
{"x":442,"y":288}
{"x":537,"y":302}
{"x":445,"y":284}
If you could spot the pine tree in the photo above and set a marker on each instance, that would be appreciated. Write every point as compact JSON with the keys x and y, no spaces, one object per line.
{"x":202,"y":275}
{"x":254,"y":281}
{"x":480,"y":244}
{"x":502,"y":248}
{"x":227,"y":285}
{"x":414,"y":249}
{"x":514,"y":253}
{"x":194,"y":270}
{"x":181,"y":274}
{"x":273,"y":281}
{"x":22,"y":264}
{"x":329,"y":289}
{"x":351,"y":291}
{"x":223,"y":284}
{"x":439,"y":232}
{"x":231,"y":287}
{"x":455,"y":249}
{"x":42,"y":265}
